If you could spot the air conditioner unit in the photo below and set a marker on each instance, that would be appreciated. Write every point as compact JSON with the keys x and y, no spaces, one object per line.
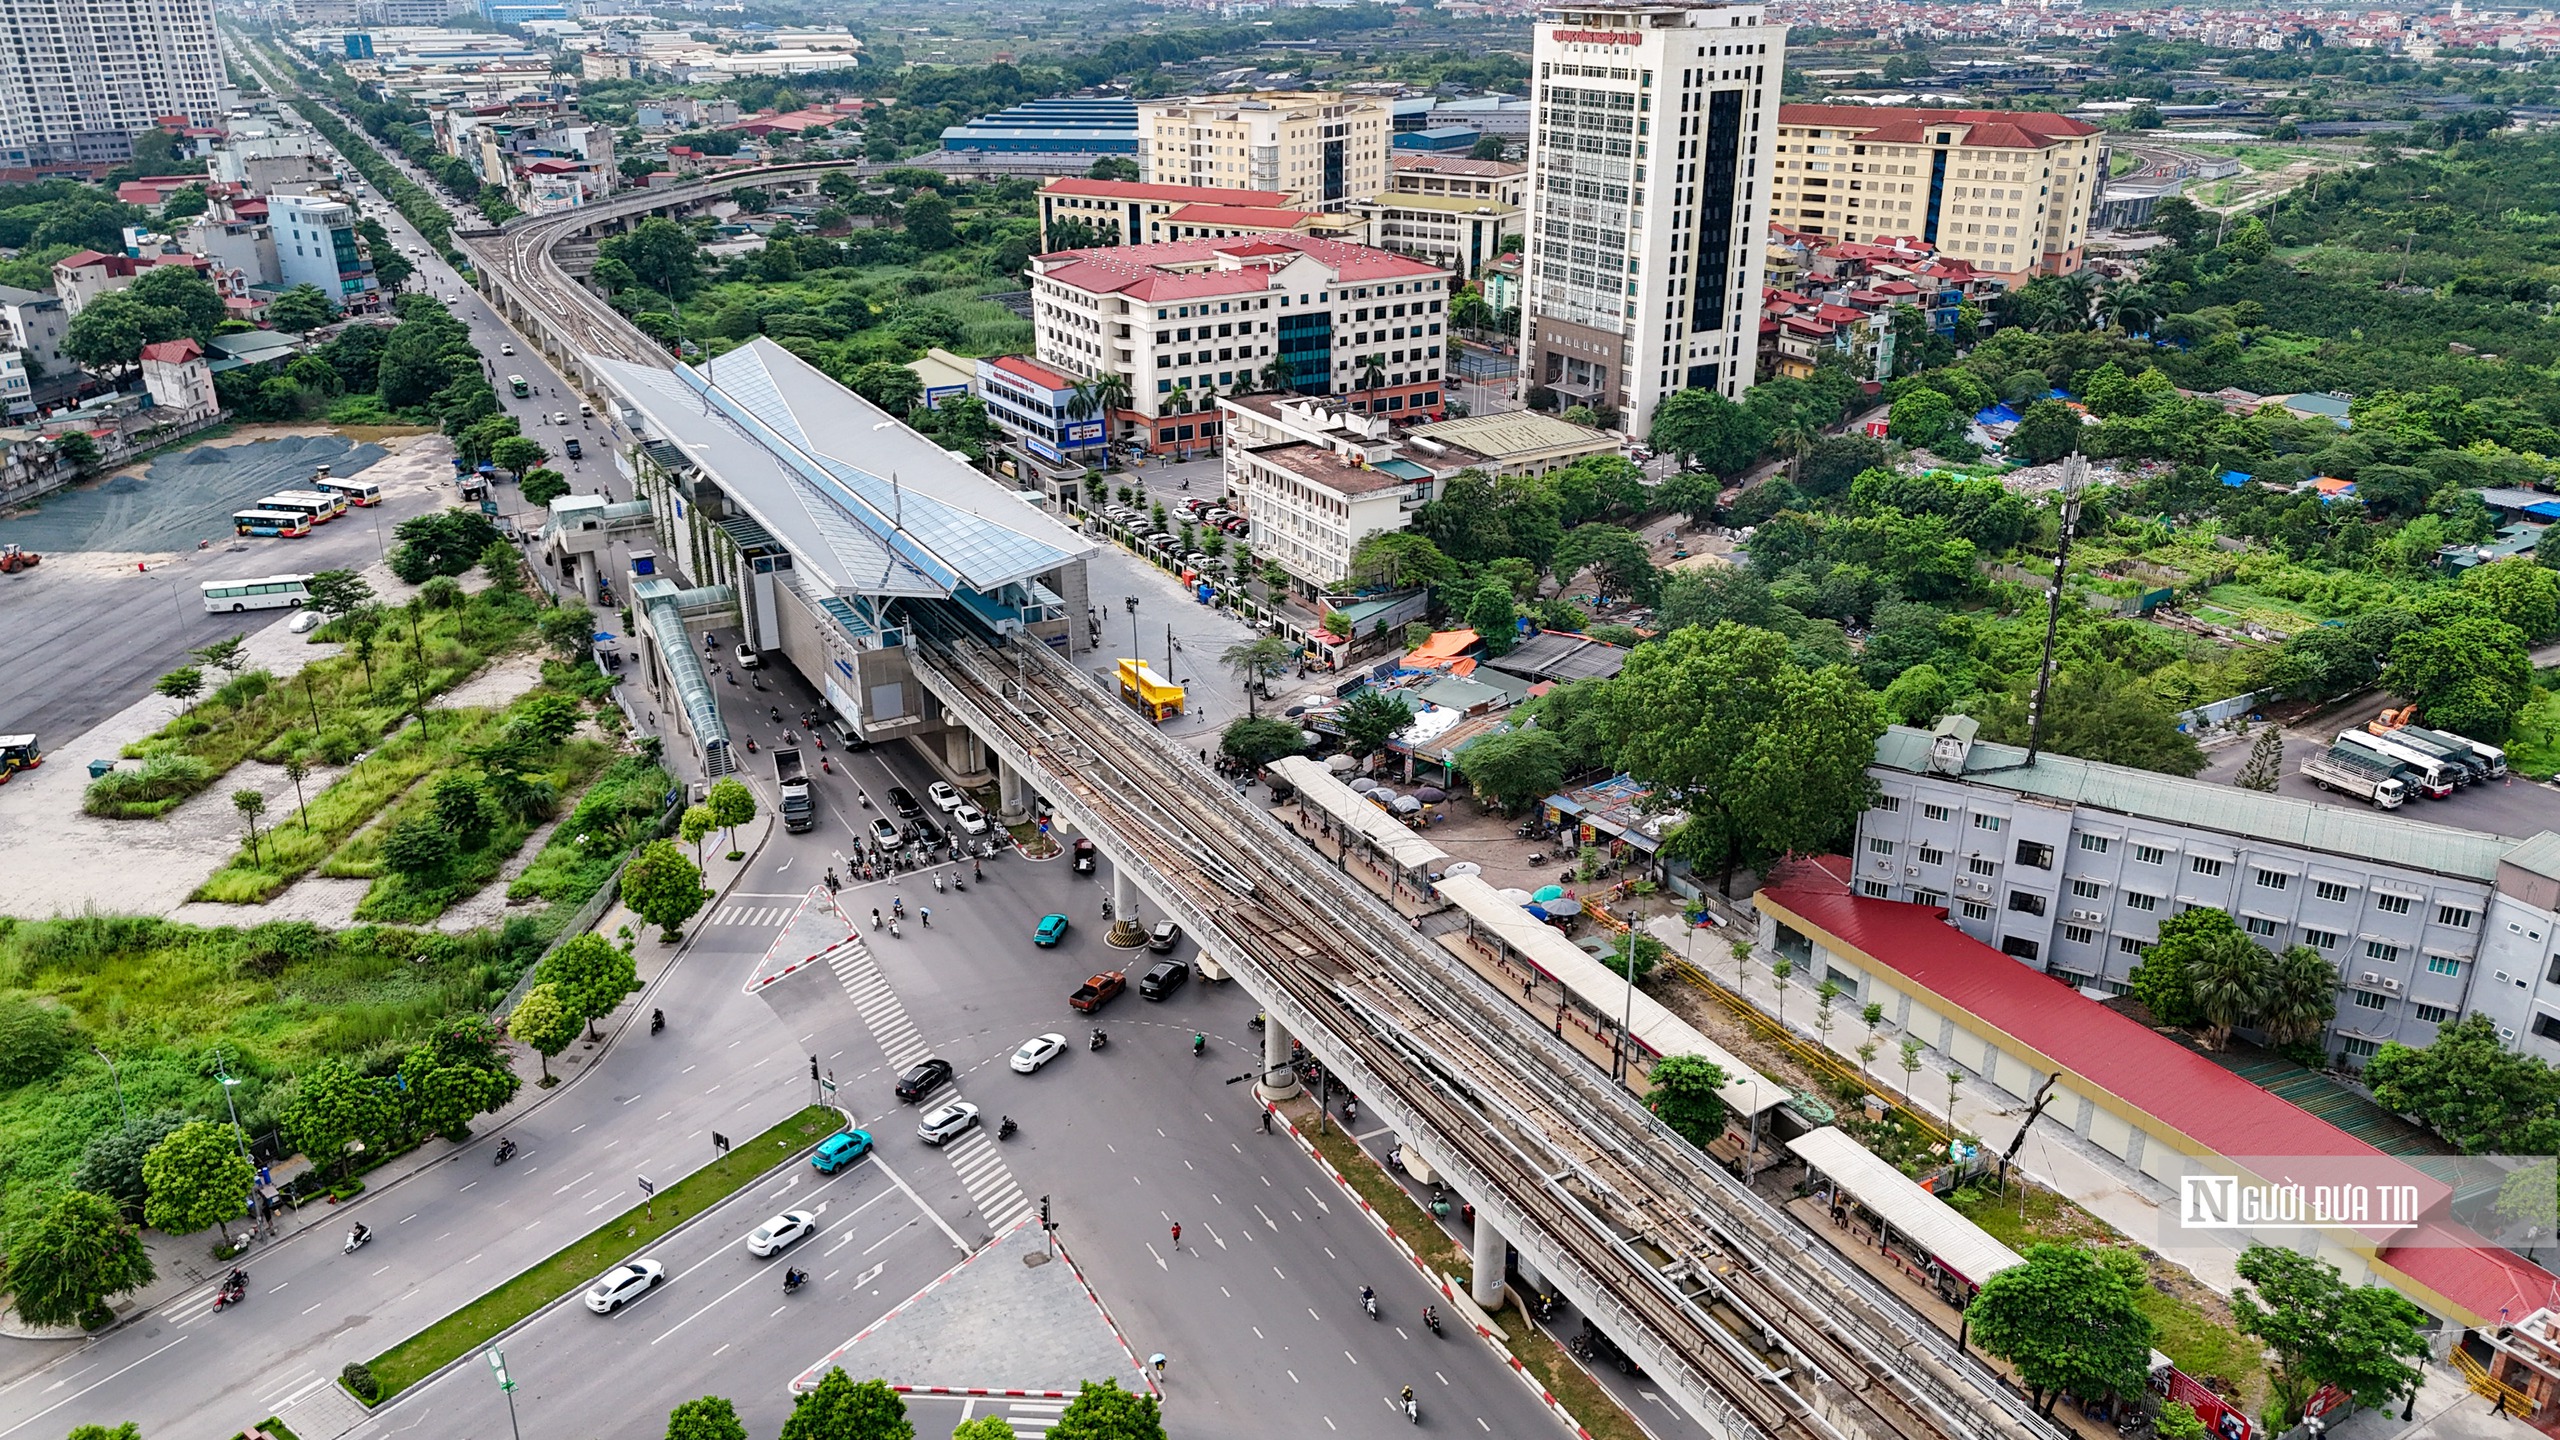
{"x":2391,"y":985}
{"x":2084,"y":914}
{"x":2506,"y":1032}
{"x":2370,"y":977}
{"x":1910,"y":869}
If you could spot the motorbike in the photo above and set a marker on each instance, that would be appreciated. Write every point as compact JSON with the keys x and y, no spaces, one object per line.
{"x":826,"y":764}
{"x":1199,"y":1046}
{"x":1370,"y":1304}
{"x":938,"y":886}
{"x":1100,"y":1040}
{"x":505,"y":1152}
{"x":657,"y":1021}
{"x":1005,"y":1130}
{"x":1412,"y":1411}
{"x":792,"y":1280}
{"x":959,"y":882}
{"x":1256,"y":1022}
{"x":1431,"y":1319}
{"x":751,"y":744}
{"x":866,"y":799}
{"x":234,"y":1290}
{"x":1538,"y":857}
{"x":356,"y":1239}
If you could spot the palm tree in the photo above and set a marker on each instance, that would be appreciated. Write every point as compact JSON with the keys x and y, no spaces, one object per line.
{"x":2301,"y":996}
{"x":1373,"y":371}
{"x":1278,"y":376}
{"x":1179,"y":400}
{"x":2231,"y":985}
{"x":1794,"y":436}
{"x":1082,"y":402}
{"x":2077,"y":291}
{"x":1255,"y":661}
{"x":1110,"y":397}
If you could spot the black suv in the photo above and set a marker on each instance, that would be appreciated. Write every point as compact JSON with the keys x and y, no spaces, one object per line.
{"x":904,"y":803}
{"x":923,"y":831}
{"x":923,"y":1078}
{"x":1163,"y":980}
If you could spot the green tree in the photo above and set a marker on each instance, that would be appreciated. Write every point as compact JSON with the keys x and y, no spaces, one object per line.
{"x":2468,"y":673}
{"x":183,"y":685}
{"x":338,"y":593}
{"x":2265,"y":765}
{"x":1255,"y":663}
{"x":1373,"y":718}
{"x":1684,"y":1097}
{"x":2465,"y":1086}
{"x":544,"y":1022}
{"x":839,"y":1409}
{"x":126,"y":1431}
{"x":2520,"y":592}
{"x":2165,"y":980}
{"x":2098,"y":712}
{"x":693,"y":825}
{"x":709,"y":1418}
{"x":1613,"y":552}
{"x":197,"y":1177}
{"x":419,"y":848}
{"x":663,"y":888}
{"x":1258,"y":742}
{"x":2230,"y":974}
{"x":1764,"y":757}
{"x":228,"y":656}
{"x":445,"y":1098}
{"x":462,"y":808}
{"x":2249,"y":243}
{"x":78,"y":449}
{"x":2069,"y":1321}
{"x":67,"y":1258}
{"x":2365,"y":1339}
{"x":2047,"y":431}
{"x":592,"y":974}
{"x":1107,"y":1412}
{"x":251,"y":805}
{"x":111,"y":1163}
{"x":2301,"y":996}
{"x":1516,"y":768}
{"x":887,"y":384}
{"x":302,"y":308}
{"x":927,"y":219}
{"x":661,"y":254}
{"x":333,"y":1105}
{"x":732,"y":805}
{"x":1707,"y":432}
{"x":517,"y":454}
{"x":1923,"y":418}
{"x":541,"y":487}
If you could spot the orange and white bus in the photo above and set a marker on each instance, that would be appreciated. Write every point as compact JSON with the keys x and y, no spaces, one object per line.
{"x":321,"y":506}
{"x":356,"y":492}
{"x":271,"y":522}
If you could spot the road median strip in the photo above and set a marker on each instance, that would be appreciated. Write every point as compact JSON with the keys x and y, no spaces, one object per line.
{"x":571,"y":1268}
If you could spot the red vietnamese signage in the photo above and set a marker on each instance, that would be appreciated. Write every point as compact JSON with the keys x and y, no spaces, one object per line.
{"x":1595,"y":37}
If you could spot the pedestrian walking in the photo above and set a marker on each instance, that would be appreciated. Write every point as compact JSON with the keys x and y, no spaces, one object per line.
{"x":1266,"y":1119}
{"x":875,"y":917}
{"x":1177,"y":1234}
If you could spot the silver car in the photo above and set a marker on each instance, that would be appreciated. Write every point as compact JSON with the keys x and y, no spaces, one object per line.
{"x":947,"y":1123}
{"x":623,"y":1284}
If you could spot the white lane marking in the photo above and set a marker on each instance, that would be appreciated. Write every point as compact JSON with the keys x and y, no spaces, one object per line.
{"x":76,"y":1394}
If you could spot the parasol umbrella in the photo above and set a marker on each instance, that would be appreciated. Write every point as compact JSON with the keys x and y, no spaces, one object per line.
{"x":1364,"y":785}
{"x":1548,"y":892}
{"x":1430,"y":794}
{"x":1339,"y":763}
{"x":1563,"y":906}
{"x":1514,"y":897}
{"x":1406,"y":805}
{"x":1535,"y":910}
{"x":1463,"y":867}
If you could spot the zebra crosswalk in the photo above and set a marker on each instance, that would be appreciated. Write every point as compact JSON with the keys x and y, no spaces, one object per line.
{"x":973,"y":1156}
{"x":1031,"y":1419}
{"x":735,"y":914}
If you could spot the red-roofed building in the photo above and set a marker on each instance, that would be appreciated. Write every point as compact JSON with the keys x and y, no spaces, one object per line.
{"x":153,"y":190}
{"x":1128,"y":212}
{"x":2007,"y":190}
{"x":1036,"y":405}
{"x":84,"y":275}
{"x":175,"y":373}
{"x":1184,"y":319}
{"x":2168,"y":1113}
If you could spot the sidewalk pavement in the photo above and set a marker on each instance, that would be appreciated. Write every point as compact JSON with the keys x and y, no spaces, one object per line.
{"x":185,"y":1262}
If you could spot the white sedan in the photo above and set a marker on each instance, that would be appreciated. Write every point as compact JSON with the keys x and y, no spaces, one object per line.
{"x":623,"y":1284}
{"x":777,"y":1234}
{"x":970,"y":819}
{"x":948,"y":1123}
{"x":507,"y":349}
{"x":943,"y":796}
{"x":1037,"y":1051}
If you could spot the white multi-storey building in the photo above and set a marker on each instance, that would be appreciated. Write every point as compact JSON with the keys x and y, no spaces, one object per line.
{"x":316,"y":244}
{"x":1322,"y":149}
{"x":80,"y":78}
{"x":1188,"y":319}
{"x":1648,"y":197}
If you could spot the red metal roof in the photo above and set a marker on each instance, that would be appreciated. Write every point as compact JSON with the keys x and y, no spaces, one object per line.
{"x":1171,"y":194}
{"x":173,"y":352}
{"x":1189,"y":269}
{"x":1999,"y":129}
{"x":1034,"y":372}
{"x":2113,"y":1054}
{"x":1262,"y":216}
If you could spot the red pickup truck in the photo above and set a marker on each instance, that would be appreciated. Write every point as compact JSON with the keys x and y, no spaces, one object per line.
{"x":1094,"y":993}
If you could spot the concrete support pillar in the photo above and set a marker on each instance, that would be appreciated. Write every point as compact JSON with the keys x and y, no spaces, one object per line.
{"x":1013,"y":797}
{"x":1279,"y":1078}
{"x":1127,"y":931}
{"x":1488,"y":1254}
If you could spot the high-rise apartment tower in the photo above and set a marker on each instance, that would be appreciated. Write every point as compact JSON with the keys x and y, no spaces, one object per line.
{"x":1648,"y":197}
{"x":80,"y":78}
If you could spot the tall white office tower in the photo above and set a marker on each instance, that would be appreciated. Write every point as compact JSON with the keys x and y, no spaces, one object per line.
{"x":80,"y":78}
{"x":1648,"y":200}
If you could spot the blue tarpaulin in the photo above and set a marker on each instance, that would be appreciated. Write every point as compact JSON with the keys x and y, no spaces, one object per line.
{"x":1996,"y":415}
{"x":2547,"y":510}
{"x":2236,"y":478}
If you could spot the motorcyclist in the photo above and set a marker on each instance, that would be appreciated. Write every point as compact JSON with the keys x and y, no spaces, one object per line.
{"x":358,"y":1235}
{"x":1431,"y":1318}
{"x":1199,"y":1042}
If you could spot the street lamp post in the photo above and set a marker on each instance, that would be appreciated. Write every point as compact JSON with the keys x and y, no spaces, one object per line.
{"x":221,"y":1073}
{"x":123,"y":1116}
{"x":498,"y":1364}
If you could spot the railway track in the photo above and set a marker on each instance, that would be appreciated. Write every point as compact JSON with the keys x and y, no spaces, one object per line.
{"x":1760,"y":1329}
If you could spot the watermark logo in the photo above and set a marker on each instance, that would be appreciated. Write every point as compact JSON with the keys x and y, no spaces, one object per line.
{"x":2231,"y":1202}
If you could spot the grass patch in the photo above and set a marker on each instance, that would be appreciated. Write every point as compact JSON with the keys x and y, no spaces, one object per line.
{"x":572,"y":1267}
{"x":1600,"y":1415}
{"x":618,"y":811}
{"x":2533,"y":749}
{"x":414,"y":900}
{"x":334,"y":708}
{"x":304,"y":839}
{"x":273,"y":1429}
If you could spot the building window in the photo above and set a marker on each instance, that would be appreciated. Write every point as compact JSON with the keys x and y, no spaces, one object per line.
{"x":2136,"y":900}
{"x":1872,"y":889}
{"x":2032,"y":853}
{"x":2381,"y":950}
{"x":1928,"y":897}
{"x":2391,"y":904}
{"x":2455,"y":916}
{"x":1980,"y":866}
{"x":1877,"y":846}
{"x":2258,"y":925}
{"x":1890,"y":804}
{"x":2370,"y":1000}
{"x":1930,"y":856}
{"x":1987,"y":822}
{"x":2359,"y":1049}
{"x":2149,"y":854}
{"x":2273,"y":879}
{"x":2434,"y":1014}
{"x":2127,"y":945}
{"x":2020,"y":946}
{"x":2025,"y":903}
{"x":1936,"y":812}
{"x":2204,"y":865}
{"x":2328,"y":890}
{"x":2086,"y":889}
{"x":2079,"y":934}
{"x":2320,"y":939}
{"x":2096,"y":844}
{"x":2443,"y":965}
{"x":1975,"y":910}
